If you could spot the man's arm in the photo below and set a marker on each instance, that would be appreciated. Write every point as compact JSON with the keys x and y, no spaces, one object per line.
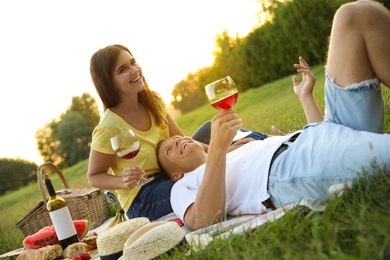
{"x":209,"y":204}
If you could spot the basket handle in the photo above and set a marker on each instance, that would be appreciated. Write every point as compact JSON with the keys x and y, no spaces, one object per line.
{"x":40,"y":177}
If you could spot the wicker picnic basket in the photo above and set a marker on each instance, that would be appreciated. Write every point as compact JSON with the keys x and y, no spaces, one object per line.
{"x":84,"y":203}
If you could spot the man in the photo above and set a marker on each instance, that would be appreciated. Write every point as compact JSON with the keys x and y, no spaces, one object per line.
{"x":285,"y":169}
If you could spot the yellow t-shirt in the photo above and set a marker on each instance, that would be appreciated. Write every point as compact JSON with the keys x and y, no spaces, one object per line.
{"x":110,"y":125}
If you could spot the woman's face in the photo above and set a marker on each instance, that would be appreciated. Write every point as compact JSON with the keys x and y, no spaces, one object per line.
{"x":127,"y":75}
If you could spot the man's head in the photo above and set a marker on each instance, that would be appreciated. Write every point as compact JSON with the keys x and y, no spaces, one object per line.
{"x":179,"y":155}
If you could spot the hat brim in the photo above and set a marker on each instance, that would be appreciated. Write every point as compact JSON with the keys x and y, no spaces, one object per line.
{"x":111,"y":241}
{"x":152,"y":240}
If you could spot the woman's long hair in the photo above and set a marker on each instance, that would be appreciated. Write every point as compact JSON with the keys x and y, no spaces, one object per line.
{"x":102,"y":66}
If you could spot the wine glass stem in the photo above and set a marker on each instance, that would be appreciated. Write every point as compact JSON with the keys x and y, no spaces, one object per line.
{"x":135,"y":164}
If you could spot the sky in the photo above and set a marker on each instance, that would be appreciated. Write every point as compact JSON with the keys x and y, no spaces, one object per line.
{"x":46,"y":45}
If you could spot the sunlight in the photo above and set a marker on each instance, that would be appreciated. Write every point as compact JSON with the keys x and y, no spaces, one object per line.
{"x":168,"y":38}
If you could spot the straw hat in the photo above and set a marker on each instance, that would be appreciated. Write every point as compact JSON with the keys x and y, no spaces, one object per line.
{"x":152,"y":240}
{"x":110,"y":242}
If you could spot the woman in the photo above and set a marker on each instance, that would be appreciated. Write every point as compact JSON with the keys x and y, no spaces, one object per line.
{"x":130,"y":104}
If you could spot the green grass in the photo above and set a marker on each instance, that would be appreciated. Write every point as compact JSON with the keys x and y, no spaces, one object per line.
{"x":354,"y":226}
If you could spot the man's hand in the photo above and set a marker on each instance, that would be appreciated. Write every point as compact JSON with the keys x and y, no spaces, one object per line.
{"x":224,"y":127}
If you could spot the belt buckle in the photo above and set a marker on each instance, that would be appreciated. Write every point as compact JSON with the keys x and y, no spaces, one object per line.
{"x":269,"y":204}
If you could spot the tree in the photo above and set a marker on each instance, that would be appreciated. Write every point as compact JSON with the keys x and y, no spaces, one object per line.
{"x":66,"y":140}
{"x":74,"y":133}
{"x":16,"y":173}
{"x":87,"y":106}
{"x":224,"y":55}
{"x":187,"y":94}
{"x":46,"y":144}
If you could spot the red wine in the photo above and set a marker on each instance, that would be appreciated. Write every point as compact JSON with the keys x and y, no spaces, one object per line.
{"x":130,"y":155}
{"x":226,"y":102}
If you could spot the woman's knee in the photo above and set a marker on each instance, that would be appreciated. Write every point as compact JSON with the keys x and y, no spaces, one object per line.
{"x":357,"y":33}
{"x":202,"y":134}
{"x":360,"y":12}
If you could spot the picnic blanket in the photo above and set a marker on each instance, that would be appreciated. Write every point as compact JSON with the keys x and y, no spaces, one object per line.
{"x":238,"y":225}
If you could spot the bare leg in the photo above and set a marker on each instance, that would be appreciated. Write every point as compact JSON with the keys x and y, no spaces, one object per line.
{"x":359,"y":47}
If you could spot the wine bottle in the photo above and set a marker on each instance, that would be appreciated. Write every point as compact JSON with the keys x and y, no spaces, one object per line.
{"x":60,"y":216}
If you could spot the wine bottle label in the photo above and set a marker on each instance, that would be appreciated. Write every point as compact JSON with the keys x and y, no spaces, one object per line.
{"x":63,"y":223}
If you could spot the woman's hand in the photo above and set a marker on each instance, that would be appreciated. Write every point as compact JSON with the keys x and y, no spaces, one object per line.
{"x":240,"y":143}
{"x":276,"y":130}
{"x":131,"y":176}
{"x":305,"y":87}
{"x":304,"y":91}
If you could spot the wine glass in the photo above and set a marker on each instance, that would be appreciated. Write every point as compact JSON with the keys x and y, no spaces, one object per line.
{"x":223,"y":94}
{"x":126,"y":146}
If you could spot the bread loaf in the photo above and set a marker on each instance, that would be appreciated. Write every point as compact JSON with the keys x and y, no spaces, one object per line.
{"x":32,"y":254}
{"x":76,"y":249}
{"x":52,"y":252}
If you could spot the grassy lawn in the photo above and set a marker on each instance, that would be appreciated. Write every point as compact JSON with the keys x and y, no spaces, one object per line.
{"x":353,"y":226}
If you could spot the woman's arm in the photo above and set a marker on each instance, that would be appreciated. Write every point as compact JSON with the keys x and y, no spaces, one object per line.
{"x":174,"y":129}
{"x":97,"y":175}
{"x":304,"y":91}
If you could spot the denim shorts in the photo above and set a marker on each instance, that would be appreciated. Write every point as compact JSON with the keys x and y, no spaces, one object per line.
{"x":324,"y":154}
{"x":153,"y":200}
{"x":359,"y":106}
{"x":330,"y":153}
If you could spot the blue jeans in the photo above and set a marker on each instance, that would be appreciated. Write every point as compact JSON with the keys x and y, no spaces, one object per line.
{"x":336,"y":150}
{"x":153,"y":200}
{"x":323,"y":155}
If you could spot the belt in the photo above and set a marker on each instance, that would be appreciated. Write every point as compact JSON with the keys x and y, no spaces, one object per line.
{"x":268,"y":203}
{"x":282,"y":148}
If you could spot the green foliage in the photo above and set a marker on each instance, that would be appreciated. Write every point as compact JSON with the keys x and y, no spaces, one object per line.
{"x":74,"y":133}
{"x":86,"y":105}
{"x":46,"y":144}
{"x":15,"y":173}
{"x":295,"y":28}
{"x":65,"y":141}
{"x":299,"y":27}
{"x":187,"y":94}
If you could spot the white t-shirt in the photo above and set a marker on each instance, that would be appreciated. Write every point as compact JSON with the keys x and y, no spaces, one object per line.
{"x":246,"y":179}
